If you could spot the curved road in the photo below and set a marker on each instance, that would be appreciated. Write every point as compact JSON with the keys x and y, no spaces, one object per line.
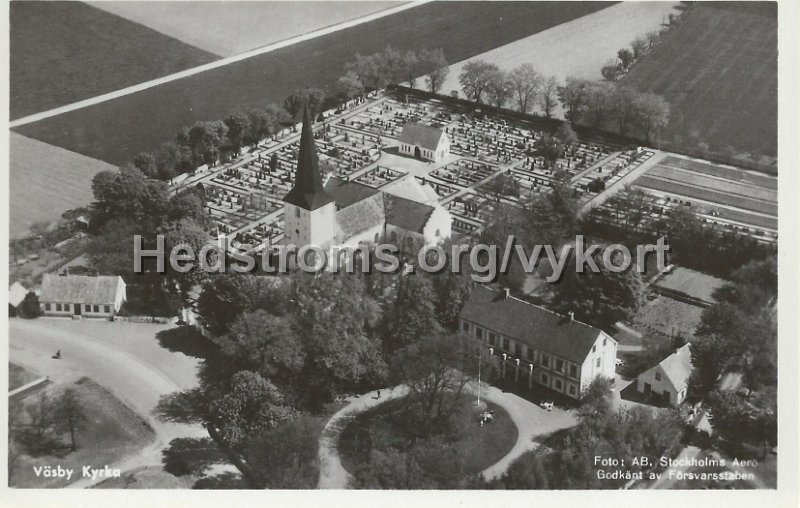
{"x":531,"y":420}
{"x":136,"y":383}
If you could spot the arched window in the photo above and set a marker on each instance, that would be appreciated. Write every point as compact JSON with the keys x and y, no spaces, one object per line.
{"x":438,"y":233}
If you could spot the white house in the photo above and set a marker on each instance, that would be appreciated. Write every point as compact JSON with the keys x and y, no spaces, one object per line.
{"x":536,"y":345}
{"x":81,"y":295}
{"x":424,"y":142}
{"x":668,"y":381}
{"x":16,"y":294}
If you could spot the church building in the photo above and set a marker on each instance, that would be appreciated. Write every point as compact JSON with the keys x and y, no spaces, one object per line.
{"x":342,"y":212}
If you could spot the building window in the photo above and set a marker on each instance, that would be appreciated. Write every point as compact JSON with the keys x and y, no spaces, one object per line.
{"x":87,"y":308}
{"x":559,"y":365}
{"x":573,"y":370}
{"x":297,"y":212}
{"x":517,"y":350}
{"x":465,"y":326}
{"x":58,"y":307}
{"x":47,"y":306}
{"x":558,"y":384}
{"x":478,"y":332}
{"x":605,"y":341}
{"x":492,"y":339}
{"x":530,"y":354}
{"x":594,"y":348}
{"x":572,"y":390}
{"x":377,"y":237}
{"x":96,"y":308}
{"x":107,"y":309}
{"x":506,"y":344}
{"x":545,"y":360}
{"x":545,"y":379}
{"x":438,"y":233}
{"x":598,"y":363}
{"x":658,"y":376}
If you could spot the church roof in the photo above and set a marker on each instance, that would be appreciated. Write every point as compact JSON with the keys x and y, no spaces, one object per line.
{"x":360,"y":216}
{"x":411,"y":188}
{"x":407,"y":214}
{"x":420,"y":135}
{"x":308,"y":192}
{"x":347,"y":193}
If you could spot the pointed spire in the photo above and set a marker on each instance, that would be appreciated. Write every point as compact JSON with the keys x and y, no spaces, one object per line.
{"x":308,"y":192}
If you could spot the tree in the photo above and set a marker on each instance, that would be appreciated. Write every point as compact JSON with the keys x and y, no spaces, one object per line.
{"x":503,"y":185}
{"x":548,"y":96}
{"x":146,"y":163}
{"x":573,"y":98}
{"x":475,"y":77}
{"x":526,"y":82}
{"x":549,"y":147}
{"x":652,"y":114}
{"x":390,"y":65}
{"x":434,"y":66}
{"x":351,"y":85}
{"x":69,"y":413}
{"x":412,"y":315}
{"x":42,"y":415}
{"x":127,"y":194}
{"x":238,"y":124}
{"x":499,"y":88}
{"x":411,"y":67}
{"x":610,"y":71}
{"x":29,"y":308}
{"x":626,"y":58}
{"x":225,"y":296}
{"x":299,"y":98}
{"x":202,"y":138}
{"x":622,"y":102}
{"x":168,"y":157}
{"x":639,"y":46}
{"x":596,"y":398}
{"x":566,"y":135}
{"x":598,"y":103}
{"x":252,"y":404}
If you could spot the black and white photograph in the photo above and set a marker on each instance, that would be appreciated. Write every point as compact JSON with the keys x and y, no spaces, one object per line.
{"x":401,"y":247}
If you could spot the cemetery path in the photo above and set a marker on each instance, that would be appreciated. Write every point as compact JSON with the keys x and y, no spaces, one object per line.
{"x":531,"y":420}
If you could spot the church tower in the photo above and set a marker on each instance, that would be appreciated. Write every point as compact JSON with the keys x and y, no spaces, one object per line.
{"x":309,"y":211}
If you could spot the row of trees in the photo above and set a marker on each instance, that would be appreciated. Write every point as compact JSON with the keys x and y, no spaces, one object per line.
{"x":640,"y":46}
{"x":391,"y":66}
{"x":523,"y":86}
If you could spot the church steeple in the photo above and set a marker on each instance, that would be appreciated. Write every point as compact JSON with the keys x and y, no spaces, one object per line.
{"x":308,"y":192}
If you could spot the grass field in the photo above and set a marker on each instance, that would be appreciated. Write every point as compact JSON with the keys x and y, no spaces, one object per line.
{"x":45,"y":181}
{"x":111,"y":431}
{"x":62,"y":52}
{"x":231,"y":27}
{"x":19,"y":376}
{"x":707,"y":182}
{"x":580,"y":47}
{"x":117,"y":130}
{"x":718,"y":69}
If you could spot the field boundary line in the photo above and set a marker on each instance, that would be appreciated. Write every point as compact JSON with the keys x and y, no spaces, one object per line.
{"x":211,"y":65}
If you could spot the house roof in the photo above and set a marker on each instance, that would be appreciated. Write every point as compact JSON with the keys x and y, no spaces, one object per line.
{"x":423,"y":136}
{"x":691,"y":283}
{"x":79,"y":289}
{"x":16,"y":293}
{"x":308,"y":192}
{"x":530,"y":324}
{"x":346,"y":193}
{"x":407,"y":214}
{"x":677,"y":367}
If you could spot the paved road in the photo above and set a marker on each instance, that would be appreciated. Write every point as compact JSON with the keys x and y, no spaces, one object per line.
{"x":532,"y":422}
{"x":136,"y":383}
{"x":212,"y":65}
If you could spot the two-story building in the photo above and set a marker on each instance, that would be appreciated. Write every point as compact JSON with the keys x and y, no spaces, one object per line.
{"x":536,"y":345}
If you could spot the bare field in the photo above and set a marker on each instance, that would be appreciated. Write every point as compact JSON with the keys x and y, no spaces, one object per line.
{"x":229,"y":28}
{"x":718,"y":70}
{"x":735,"y":175}
{"x":45,"y":181}
{"x":579,"y":47}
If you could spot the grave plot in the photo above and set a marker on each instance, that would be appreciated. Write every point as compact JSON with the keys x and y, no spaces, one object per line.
{"x":471,"y":210}
{"x":462,"y":173}
{"x":443,"y":190}
{"x":347,"y":151}
{"x":266,"y":232}
{"x":610,"y":172}
{"x":379,"y":176}
{"x":491,"y":138}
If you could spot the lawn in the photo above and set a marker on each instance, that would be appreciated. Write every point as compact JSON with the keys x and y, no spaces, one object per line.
{"x":62,"y":52}
{"x":475,"y":448}
{"x":718,"y":70}
{"x":111,"y":431}
{"x":46,"y":181}
{"x":19,"y":376}
{"x":232,"y":27}
{"x":117,"y":130}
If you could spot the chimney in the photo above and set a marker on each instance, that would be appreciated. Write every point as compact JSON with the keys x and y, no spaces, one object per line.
{"x":571,"y":316}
